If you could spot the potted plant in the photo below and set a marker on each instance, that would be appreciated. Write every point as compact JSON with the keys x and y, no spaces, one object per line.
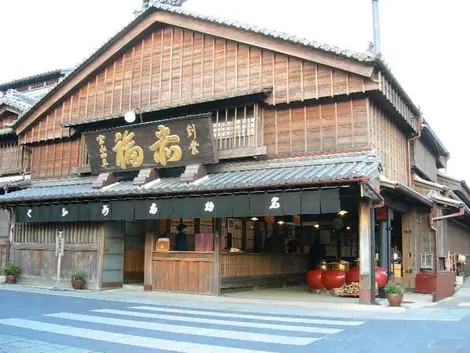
{"x":11,"y":271}
{"x":78,"y":280}
{"x":394,"y":293}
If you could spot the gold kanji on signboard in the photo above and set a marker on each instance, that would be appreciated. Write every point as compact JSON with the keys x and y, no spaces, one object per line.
{"x":127,"y":153}
{"x":193,"y":145}
{"x":103,"y":151}
{"x":166,"y":148}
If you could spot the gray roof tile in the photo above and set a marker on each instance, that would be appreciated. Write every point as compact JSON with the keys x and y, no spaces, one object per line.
{"x":282,"y":173}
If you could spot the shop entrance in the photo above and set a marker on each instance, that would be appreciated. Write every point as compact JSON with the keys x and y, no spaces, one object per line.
{"x":134,"y":253}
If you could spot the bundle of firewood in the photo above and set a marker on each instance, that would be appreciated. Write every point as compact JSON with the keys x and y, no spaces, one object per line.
{"x":351,"y":290}
{"x":348,"y":290}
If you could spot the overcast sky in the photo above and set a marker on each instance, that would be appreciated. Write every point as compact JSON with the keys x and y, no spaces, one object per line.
{"x":424,"y":42}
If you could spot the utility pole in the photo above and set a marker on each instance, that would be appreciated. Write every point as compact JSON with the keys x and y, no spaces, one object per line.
{"x":375,"y":17}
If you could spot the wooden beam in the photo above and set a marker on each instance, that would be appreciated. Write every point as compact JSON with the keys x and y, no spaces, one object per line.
{"x":104,"y":179}
{"x":366,"y":255}
{"x":217,"y":245}
{"x":145,"y":176}
{"x":148,"y":263}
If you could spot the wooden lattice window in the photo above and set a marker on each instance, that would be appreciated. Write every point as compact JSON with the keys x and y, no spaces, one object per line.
{"x":83,"y":157}
{"x":236,"y":127}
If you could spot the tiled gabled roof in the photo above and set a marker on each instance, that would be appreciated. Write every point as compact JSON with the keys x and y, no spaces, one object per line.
{"x":277,"y":173}
{"x":365,"y":57}
{"x":17,"y":100}
{"x":33,"y":78}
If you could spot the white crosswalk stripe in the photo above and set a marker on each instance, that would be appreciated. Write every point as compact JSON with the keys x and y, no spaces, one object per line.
{"x":309,"y":329}
{"x":188,"y":330}
{"x":177,"y":329}
{"x":137,"y":341}
{"x":255,"y":317}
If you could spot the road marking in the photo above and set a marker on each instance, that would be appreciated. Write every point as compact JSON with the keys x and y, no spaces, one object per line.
{"x":465,"y":304}
{"x":189,"y":330}
{"x":222,"y":322}
{"x":255,"y":317}
{"x":121,"y":338}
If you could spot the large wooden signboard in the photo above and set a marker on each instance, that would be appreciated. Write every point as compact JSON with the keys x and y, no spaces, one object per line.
{"x":163,"y":144}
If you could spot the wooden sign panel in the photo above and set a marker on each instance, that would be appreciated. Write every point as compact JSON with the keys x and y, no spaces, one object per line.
{"x":162,"y":144}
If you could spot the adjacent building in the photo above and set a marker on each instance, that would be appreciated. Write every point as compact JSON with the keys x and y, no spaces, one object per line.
{"x":16,"y":97}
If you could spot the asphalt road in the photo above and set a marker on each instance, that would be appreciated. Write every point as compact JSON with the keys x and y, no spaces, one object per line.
{"x":40,"y":322}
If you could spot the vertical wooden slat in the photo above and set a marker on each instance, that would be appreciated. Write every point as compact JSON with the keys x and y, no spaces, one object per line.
{"x":305,"y":129}
{"x":225,"y":65}
{"x":202,"y":64}
{"x":122,"y":82}
{"x":131,"y":86}
{"x":316,"y":81}
{"x":332,"y":83}
{"x":181,"y":65}
{"x":141,"y":72}
{"x":86,"y":100}
{"x":321,"y":126}
{"x":336,"y":126}
{"x":103,"y":107}
{"x":290,"y":128}
{"x":152,"y":51}
{"x":160,"y":83}
{"x":353,"y":135}
{"x":274,"y":86}
{"x":172,"y":49}
{"x":96,"y":95}
{"x":213,"y":65}
{"x":249,"y":67}
{"x":276,"y":131}
{"x":113,"y":88}
{"x":192,"y":64}
{"x":236,"y":66}
{"x":287,"y":81}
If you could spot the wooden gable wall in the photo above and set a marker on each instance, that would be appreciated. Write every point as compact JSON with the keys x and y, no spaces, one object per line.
{"x":172,"y":65}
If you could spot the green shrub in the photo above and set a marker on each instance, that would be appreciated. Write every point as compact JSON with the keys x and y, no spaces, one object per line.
{"x":11,"y":270}
{"x":393,"y":288}
{"x":78,"y":276}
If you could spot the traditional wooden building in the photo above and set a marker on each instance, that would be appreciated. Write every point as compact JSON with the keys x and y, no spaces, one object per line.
{"x":185,"y":136}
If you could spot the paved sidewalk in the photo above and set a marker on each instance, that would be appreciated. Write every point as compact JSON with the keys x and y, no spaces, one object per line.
{"x":411,"y":311}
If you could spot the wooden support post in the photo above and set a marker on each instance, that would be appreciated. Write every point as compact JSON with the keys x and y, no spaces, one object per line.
{"x":366,"y":254}
{"x":217,"y":243}
{"x":150,"y":233}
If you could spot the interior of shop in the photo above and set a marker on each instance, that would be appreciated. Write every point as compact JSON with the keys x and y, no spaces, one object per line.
{"x":266,"y":252}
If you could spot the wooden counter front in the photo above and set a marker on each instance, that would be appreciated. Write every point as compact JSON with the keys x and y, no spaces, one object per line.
{"x":248,"y":269}
{"x":184,"y":271}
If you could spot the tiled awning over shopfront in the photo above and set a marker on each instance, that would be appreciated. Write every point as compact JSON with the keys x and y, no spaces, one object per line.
{"x":257,"y":188}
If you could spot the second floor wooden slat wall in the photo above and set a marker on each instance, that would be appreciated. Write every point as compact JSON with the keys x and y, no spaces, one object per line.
{"x":321,"y":128}
{"x":390,"y":142}
{"x":55,"y":159}
{"x":174,"y":65}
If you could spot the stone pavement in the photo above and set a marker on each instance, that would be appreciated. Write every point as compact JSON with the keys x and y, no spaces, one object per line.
{"x":415,"y":309}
